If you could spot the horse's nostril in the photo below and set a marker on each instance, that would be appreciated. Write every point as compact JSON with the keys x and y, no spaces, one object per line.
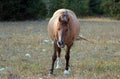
{"x":60,"y":43}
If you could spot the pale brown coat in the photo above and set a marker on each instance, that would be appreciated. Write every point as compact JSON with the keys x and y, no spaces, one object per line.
{"x":73,"y":22}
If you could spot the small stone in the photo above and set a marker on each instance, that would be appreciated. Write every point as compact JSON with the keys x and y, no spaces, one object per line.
{"x":28,"y":55}
{"x":2,"y":69}
{"x":46,"y":41}
{"x":43,"y":50}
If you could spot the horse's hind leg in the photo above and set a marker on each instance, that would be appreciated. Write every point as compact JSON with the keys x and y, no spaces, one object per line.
{"x":58,"y":59}
{"x":54,"y":57}
{"x":67,"y":57}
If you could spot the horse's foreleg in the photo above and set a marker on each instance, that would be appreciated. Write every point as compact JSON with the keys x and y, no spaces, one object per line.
{"x":67,"y":57}
{"x":53,"y":57}
{"x":59,"y":52}
{"x":58,"y":59}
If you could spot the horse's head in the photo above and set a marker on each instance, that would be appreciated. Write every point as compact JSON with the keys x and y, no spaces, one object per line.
{"x":62,"y":30}
{"x":64,"y":18}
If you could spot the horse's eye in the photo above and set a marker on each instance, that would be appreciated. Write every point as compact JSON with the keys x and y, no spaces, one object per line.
{"x":58,"y":28}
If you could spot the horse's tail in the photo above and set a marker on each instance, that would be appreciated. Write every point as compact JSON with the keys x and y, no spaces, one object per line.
{"x":80,"y":37}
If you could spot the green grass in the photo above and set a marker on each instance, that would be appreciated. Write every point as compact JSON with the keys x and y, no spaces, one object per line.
{"x":97,"y":60}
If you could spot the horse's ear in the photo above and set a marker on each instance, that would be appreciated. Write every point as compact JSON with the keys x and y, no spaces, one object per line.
{"x":68,"y":19}
{"x":59,"y":19}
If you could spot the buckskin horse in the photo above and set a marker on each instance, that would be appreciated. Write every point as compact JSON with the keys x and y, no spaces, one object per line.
{"x":63,"y":28}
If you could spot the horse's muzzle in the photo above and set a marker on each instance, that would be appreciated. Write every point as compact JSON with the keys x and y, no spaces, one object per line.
{"x":61,"y":44}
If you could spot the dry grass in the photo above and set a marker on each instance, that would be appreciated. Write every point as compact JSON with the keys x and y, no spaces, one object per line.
{"x":100,"y":19}
{"x":100,"y":60}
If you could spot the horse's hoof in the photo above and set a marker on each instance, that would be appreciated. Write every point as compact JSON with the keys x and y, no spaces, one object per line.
{"x":51,"y":75}
{"x":58,"y":67}
{"x":58,"y":64}
{"x":66,"y":72}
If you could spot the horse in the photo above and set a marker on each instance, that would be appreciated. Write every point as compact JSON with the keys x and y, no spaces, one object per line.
{"x":63,"y":28}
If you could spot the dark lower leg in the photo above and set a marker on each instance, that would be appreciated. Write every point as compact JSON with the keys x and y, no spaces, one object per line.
{"x":53,"y":61}
{"x":59,"y":52}
{"x":67,"y":56}
{"x":53,"y":57}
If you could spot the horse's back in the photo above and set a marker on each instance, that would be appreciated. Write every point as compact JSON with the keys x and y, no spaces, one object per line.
{"x":60,"y":11}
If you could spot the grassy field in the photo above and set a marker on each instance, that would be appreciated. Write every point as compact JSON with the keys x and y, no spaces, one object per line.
{"x":97,"y":60}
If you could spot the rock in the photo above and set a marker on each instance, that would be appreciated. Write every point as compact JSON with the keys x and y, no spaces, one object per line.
{"x":46,"y":41}
{"x":28,"y":55}
{"x":43,"y":50}
{"x":2,"y":69}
